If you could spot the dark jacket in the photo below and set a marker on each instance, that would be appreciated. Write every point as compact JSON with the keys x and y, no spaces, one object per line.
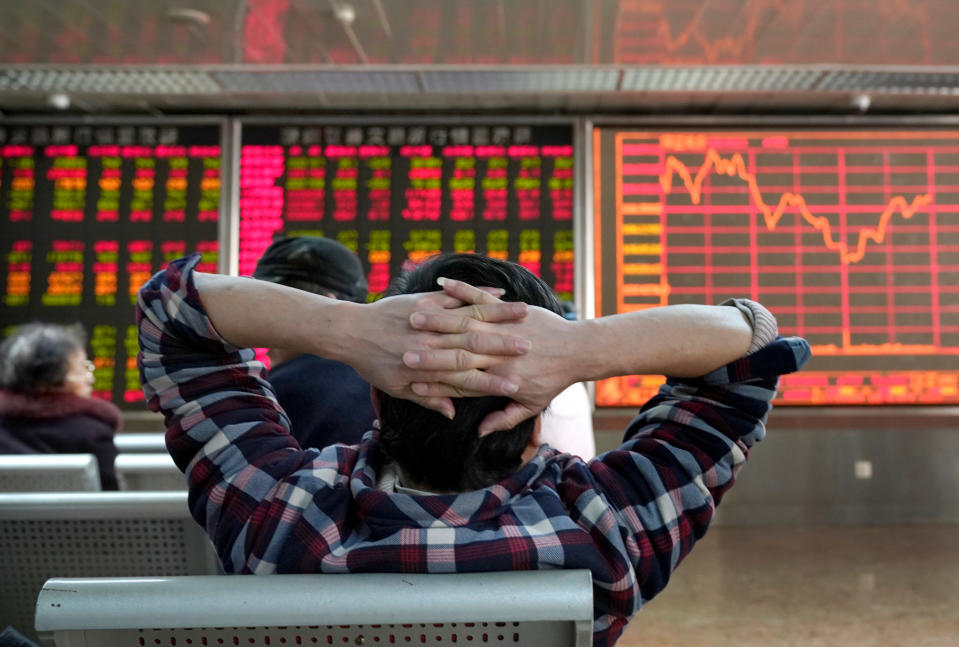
{"x":60,"y":423}
{"x":327,"y":401}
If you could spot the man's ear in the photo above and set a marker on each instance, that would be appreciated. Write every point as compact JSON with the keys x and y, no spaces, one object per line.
{"x":376,"y":398}
{"x":536,"y":438}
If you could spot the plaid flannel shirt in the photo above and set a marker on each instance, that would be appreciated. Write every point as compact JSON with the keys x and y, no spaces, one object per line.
{"x":629,"y":516}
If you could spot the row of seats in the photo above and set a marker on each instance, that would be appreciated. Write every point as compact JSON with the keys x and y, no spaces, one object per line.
{"x":82,"y":567}
{"x":536,"y":608}
{"x":140,"y":443}
{"x":93,"y":534}
{"x":79,"y":473}
{"x":142,"y":464}
{"x":133,"y":568}
{"x":81,"y":531}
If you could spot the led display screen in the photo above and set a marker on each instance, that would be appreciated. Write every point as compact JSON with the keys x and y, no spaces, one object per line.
{"x":850,"y":237}
{"x":398,"y":194}
{"x":89,"y":213}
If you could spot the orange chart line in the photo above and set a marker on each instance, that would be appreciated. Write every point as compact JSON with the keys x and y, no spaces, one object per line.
{"x":732,"y":45}
{"x":735,"y":166}
{"x":756,"y":16}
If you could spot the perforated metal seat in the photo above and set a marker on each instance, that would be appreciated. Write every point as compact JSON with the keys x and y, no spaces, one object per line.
{"x":148,"y":472}
{"x":540,"y":608}
{"x":101,"y":534}
{"x":49,"y":473}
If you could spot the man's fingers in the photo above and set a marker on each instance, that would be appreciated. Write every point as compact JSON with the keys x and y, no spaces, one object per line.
{"x":482,"y":343}
{"x":452,"y":359}
{"x":465,"y":384}
{"x":497,"y":312}
{"x":440,"y":389}
{"x":442,"y":322}
{"x":458,"y":359}
{"x":466,"y":292}
{"x":458,"y":369}
{"x":441,"y":405}
{"x":484,"y":383}
{"x":512,"y":415}
{"x":435,"y":300}
{"x":463,"y":319}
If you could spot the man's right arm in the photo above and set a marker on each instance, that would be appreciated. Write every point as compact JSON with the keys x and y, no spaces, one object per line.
{"x":646,"y":503}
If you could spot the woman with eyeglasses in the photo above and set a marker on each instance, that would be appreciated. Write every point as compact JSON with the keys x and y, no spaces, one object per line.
{"x":46,"y":384}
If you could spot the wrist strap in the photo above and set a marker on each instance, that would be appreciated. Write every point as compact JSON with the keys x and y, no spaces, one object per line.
{"x":765,"y":328}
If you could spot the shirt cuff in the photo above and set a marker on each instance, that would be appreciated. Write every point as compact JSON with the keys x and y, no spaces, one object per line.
{"x":765,"y":328}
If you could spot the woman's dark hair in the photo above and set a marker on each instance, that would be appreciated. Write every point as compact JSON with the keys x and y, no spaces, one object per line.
{"x":448,"y":455}
{"x":36,"y":357}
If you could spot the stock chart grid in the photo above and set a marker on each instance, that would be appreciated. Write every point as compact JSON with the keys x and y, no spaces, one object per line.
{"x":850,"y":237}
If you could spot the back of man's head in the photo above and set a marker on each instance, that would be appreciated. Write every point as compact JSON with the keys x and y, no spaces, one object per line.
{"x":447,"y":455}
{"x":314,"y":264}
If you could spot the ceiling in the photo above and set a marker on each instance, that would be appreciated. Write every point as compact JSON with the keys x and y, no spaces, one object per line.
{"x":557,"y":55}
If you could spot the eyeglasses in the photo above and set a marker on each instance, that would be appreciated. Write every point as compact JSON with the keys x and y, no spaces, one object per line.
{"x":74,"y":374}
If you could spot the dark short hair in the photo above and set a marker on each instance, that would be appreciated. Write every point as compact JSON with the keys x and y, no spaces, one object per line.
{"x":448,"y":455}
{"x":314,"y":264}
{"x":36,"y":357}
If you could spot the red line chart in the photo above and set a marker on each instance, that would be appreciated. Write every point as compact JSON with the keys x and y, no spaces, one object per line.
{"x":734,"y":166}
{"x":693,"y":32}
{"x":850,"y":237}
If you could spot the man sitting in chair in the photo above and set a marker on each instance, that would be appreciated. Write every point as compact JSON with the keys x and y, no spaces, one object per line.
{"x":454,"y":480}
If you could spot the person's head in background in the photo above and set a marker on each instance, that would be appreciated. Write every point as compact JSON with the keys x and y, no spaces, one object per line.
{"x":46,"y":358}
{"x":442,"y":455}
{"x":313,"y":264}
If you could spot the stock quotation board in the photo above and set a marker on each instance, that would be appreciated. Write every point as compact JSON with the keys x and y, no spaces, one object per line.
{"x":88,"y":214}
{"x":398,"y":194}
{"x":849,"y":237}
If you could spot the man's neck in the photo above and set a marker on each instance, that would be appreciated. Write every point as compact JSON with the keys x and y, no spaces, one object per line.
{"x":403,"y":482}
{"x":407,"y":484}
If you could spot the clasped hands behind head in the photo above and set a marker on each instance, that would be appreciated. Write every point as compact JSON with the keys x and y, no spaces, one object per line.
{"x":486,"y":347}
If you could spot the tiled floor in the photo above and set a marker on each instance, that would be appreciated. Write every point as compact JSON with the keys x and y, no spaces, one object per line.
{"x":814,"y":587}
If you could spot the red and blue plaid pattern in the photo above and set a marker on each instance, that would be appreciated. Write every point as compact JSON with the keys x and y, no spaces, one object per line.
{"x":629,"y":516}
